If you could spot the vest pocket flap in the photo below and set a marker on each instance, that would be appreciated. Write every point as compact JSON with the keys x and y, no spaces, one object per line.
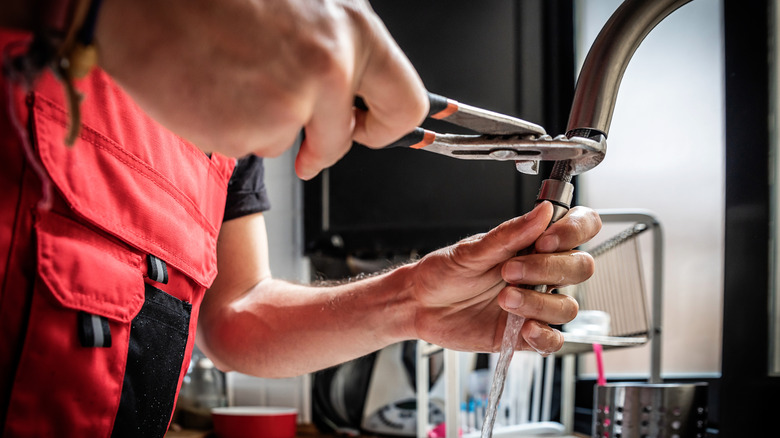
{"x":86,"y":271}
{"x":127,"y":194}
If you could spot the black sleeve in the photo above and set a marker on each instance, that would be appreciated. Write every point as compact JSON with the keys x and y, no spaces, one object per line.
{"x":246,"y":192}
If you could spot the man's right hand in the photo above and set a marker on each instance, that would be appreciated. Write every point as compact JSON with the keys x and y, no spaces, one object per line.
{"x":237,"y":77}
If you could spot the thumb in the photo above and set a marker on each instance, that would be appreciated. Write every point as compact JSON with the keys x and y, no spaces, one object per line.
{"x":504,"y":241}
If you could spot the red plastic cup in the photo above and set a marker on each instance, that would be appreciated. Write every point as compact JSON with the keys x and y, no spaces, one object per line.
{"x":254,"y":422}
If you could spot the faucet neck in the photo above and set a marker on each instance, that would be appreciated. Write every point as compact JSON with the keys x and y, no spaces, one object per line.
{"x":600,"y":76}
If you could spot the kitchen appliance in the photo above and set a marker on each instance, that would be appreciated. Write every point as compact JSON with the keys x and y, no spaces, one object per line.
{"x":376,"y":394}
{"x":203,"y":388}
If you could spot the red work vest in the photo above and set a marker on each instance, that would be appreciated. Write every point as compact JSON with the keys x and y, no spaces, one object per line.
{"x":100,"y":290}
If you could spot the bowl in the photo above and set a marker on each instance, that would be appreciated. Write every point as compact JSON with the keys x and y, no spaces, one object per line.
{"x":254,"y":421}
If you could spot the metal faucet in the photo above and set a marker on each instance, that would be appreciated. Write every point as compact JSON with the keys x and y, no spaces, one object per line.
{"x":594,"y":103}
{"x":589,"y":120}
{"x":597,"y":88}
{"x":599,"y":80}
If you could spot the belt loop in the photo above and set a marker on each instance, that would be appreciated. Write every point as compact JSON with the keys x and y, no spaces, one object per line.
{"x":94,"y":330}
{"x":157,"y":271}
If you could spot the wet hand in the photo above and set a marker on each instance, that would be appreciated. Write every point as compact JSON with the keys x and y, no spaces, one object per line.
{"x":466,"y":289}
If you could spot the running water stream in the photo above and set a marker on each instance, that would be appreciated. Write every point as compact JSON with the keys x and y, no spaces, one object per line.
{"x":514,"y":324}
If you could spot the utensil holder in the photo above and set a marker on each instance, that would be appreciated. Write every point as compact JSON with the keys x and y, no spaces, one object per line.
{"x":643,"y":410}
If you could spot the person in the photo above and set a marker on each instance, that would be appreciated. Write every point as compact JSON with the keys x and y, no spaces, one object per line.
{"x":113,"y":250}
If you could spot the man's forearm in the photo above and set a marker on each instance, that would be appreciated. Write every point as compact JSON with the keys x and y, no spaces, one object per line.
{"x":457,"y":297}
{"x":279,"y":329}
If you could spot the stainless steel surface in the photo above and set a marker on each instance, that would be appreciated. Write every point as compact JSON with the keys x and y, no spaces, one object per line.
{"x":583,"y":152}
{"x":600,"y":76}
{"x":633,"y":410}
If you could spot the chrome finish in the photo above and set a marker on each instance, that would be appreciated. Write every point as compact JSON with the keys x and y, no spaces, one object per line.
{"x":599,"y":80}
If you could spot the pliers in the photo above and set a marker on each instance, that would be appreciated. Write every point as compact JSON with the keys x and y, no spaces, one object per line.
{"x":500,"y":137}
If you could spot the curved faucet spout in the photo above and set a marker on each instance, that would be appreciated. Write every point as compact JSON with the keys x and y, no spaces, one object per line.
{"x":599,"y":80}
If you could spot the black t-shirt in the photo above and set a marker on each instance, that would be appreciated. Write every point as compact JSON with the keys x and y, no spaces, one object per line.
{"x":246,"y":192}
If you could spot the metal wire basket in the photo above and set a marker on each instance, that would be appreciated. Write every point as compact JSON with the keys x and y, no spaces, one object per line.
{"x":644,"y":410}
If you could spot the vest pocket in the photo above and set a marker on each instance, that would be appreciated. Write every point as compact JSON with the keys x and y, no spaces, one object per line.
{"x":103,"y":351}
{"x":158,"y":338}
{"x":69,"y":376}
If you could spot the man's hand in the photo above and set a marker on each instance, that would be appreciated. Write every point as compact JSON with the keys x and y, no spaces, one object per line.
{"x":237,"y":77}
{"x":460,"y":288}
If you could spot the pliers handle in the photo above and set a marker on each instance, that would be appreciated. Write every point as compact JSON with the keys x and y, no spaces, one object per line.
{"x":477,"y":119}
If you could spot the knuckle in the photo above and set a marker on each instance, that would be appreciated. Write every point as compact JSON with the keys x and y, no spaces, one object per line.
{"x":501,"y":235}
{"x":329,"y":54}
{"x":539,"y":303}
{"x":461,"y":251}
{"x":329,"y":64}
{"x":410,"y":113}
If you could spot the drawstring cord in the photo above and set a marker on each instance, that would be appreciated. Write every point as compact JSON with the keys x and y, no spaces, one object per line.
{"x":44,"y":204}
